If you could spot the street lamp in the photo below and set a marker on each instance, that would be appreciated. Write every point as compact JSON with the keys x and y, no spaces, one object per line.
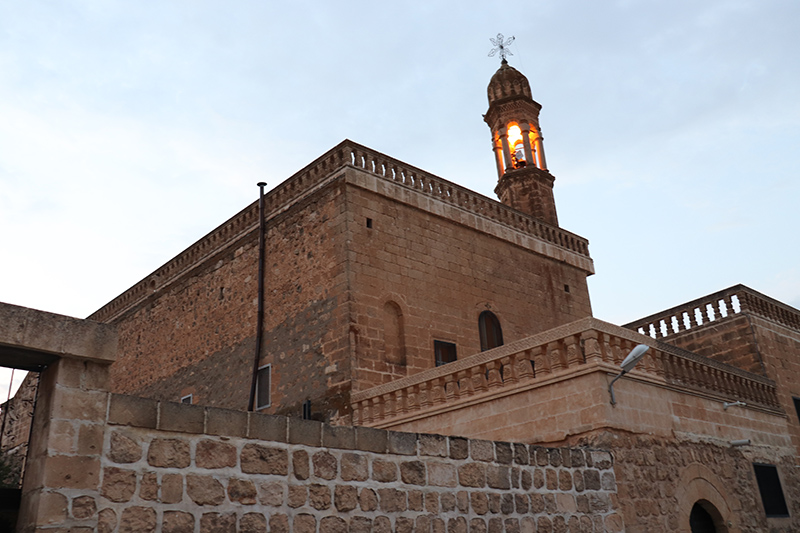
{"x":627,"y":365}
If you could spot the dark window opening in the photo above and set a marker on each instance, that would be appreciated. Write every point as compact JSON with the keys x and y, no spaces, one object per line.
{"x":307,"y":410}
{"x":369,"y":223}
{"x":700,"y":521}
{"x":187,"y":399}
{"x":490,"y":330}
{"x":445,"y":352}
{"x":566,"y":288}
{"x":769,"y":485}
{"x":263,"y":387}
{"x":797,"y":406}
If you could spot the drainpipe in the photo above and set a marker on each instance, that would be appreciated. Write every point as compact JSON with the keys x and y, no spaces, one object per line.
{"x":251,"y":406}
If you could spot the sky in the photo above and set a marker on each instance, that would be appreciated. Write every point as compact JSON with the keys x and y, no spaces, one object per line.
{"x":128,"y":130}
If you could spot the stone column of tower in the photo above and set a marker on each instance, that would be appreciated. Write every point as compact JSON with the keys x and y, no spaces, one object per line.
{"x":513,"y":116}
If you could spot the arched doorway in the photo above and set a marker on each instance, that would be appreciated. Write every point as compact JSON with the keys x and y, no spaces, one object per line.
{"x":701,"y":521}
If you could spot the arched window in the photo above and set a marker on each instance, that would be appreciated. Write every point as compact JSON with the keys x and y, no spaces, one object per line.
{"x":393,"y":334}
{"x":491,"y":332}
{"x":701,"y":520}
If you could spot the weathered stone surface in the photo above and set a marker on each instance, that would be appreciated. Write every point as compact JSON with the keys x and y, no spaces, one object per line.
{"x":177,"y":522}
{"x":148,"y":488}
{"x":511,"y":525}
{"x":300,"y":466}
{"x":83,"y":507}
{"x":591,"y":479}
{"x":119,"y":485}
{"x":526,"y":480}
{"x":345,"y":498}
{"x":402,"y":443}
{"x":204,"y":490}
{"x":137,"y":520}
{"x":528,"y":525}
{"x":507,"y":503}
{"x":355,"y":467}
{"x":448,"y":501}
{"x":480,"y":503}
{"x":459,"y":447}
{"x":432,"y":445}
{"x":361,"y":524}
{"x":462,"y":501}
{"x":381,"y":525}
{"x":371,"y":439}
{"x":441,"y":474}
{"x":278,"y":523}
{"x":457,"y":525}
{"x":392,"y":500}
{"x":412,"y":472}
{"x":416,"y":500}
{"x":169,"y":453}
{"x":124,"y":449}
{"x":368,"y":500}
{"x":258,"y":459}
{"x":171,"y":488}
{"x":324,"y":465}
{"x":472,"y":475}
{"x":521,"y":503}
{"x":545,"y":525}
{"x":498,"y":477}
{"x":271,"y":494}
{"x":304,"y":523}
{"x":495,"y":525}
{"x":253,"y":523}
{"x":242,"y":491}
{"x":403,"y":525}
{"x":298,"y":495}
{"x":438,"y":525}
{"x":503,"y":453}
{"x":106,"y":521}
{"x":211,"y":454}
{"x":319,"y":496}
{"x":481,"y":450}
{"x":218,"y":523}
{"x":521,"y":455}
{"x":477,"y":525}
{"x":432,"y":502}
{"x":384,"y":471}
{"x":332,"y":524}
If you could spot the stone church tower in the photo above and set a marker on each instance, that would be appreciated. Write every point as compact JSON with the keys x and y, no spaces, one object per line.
{"x":513,"y":116}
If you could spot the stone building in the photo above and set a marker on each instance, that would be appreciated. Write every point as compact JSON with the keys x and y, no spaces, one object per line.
{"x":399,"y":306}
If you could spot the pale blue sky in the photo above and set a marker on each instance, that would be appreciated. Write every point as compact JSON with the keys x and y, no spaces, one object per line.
{"x":130,"y":129}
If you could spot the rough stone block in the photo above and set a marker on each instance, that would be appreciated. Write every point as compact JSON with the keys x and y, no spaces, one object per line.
{"x":257,"y":459}
{"x":478,"y":525}
{"x":355,"y":467}
{"x":242,"y":491}
{"x":591,"y":479}
{"x":177,"y":522}
{"x":278,"y":523}
{"x":90,"y":439}
{"x":325,"y":465}
{"x":441,"y":474}
{"x":345,"y":498}
{"x":253,"y":523}
{"x":271,"y":494}
{"x":459,"y":447}
{"x":403,"y":525}
{"x":181,"y":417}
{"x":319,"y":496}
{"x":226,"y":422}
{"x":367,"y":500}
{"x":498,"y":477}
{"x":432,"y":445}
{"x":392,"y":500}
{"x":398,"y":443}
{"x":106,"y":521}
{"x":472,"y":475}
{"x":137,"y":520}
{"x":71,"y":472}
{"x":148,"y":488}
{"x":413,"y":472}
{"x":76,"y":404}
{"x":371,"y":440}
{"x":479,"y":502}
{"x":332,"y":524}
{"x":521,"y":456}
{"x":503,"y":453}
{"x":361,"y":524}
{"x":212,"y":454}
{"x":171,"y":488}
{"x":204,"y":490}
{"x":124,"y":448}
{"x":432,"y":502}
{"x":83,"y":507}
{"x":218,"y":523}
{"x":457,"y":525}
{"x":169,"y":453}
{"x":300,"y":465}
{"x":132,"y":411}
{"x":481,"y":450}
{"x":384,"y":471}
{"x":448,"y":502}
{"x":304,"y":523}
{"x":298,"y":495}
{"x":267,"y":427}
{"x":308,"y":432}
{"x":339,"y":437}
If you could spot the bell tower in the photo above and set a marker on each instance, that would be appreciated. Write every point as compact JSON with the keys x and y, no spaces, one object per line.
{"x":513,"y":116}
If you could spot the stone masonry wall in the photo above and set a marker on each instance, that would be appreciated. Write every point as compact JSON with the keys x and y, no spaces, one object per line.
{"x":197,"y":335}
{"x":179,"y":468}
{"x":442,"y":274}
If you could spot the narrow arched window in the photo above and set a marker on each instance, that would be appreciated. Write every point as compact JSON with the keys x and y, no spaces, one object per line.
{"x":491,"y":332}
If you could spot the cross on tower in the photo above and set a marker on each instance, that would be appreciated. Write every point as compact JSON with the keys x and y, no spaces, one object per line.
{"x":501,"y":46}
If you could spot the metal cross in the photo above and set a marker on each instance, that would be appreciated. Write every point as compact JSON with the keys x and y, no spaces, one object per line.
{"x":500,"y":46}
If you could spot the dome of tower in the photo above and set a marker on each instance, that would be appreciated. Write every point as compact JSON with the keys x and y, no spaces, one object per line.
{"x":508,"y":82}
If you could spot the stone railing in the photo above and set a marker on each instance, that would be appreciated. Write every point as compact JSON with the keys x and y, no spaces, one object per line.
{"x":316,"y":175}
{"x":722,"y":304}
{"x":582,"y":345}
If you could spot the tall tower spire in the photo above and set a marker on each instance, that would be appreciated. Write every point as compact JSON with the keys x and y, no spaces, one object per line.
{"x":513,"y":116}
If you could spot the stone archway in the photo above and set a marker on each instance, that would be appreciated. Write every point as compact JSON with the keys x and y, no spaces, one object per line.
{"x":701,"y":491}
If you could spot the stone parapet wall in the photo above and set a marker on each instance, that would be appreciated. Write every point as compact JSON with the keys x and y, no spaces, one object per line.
{"x":171,"y":467}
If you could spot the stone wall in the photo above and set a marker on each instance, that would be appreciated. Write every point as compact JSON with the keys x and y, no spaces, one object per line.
{"x":171,"y":467}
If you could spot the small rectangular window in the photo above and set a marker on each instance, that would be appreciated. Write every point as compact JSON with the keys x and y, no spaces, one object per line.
{"x":263,"y":385}
{"x":445,"y":352}
{"x":769,"y":485}
{"x":797,"y":406}
{"x":186,"y":399}
{"x":369,"y":223}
